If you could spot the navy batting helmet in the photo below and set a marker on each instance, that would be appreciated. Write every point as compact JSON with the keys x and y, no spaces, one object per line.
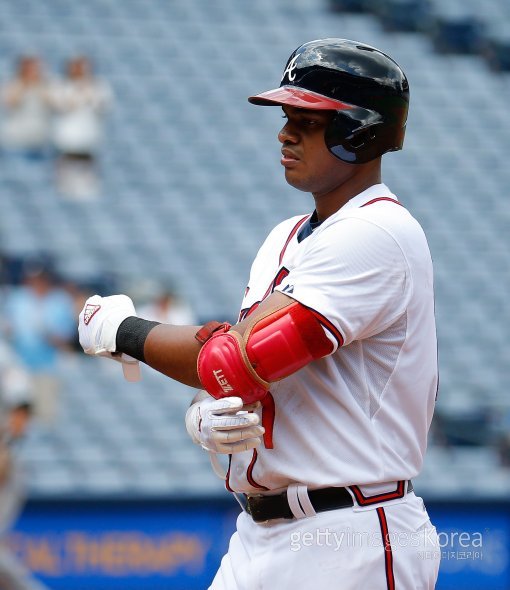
{"x":367,"y":89}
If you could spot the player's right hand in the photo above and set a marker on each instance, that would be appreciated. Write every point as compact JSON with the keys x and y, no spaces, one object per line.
{"x":224,"y":425}
{"x":98,"y":324}
{"x":99,"y":321}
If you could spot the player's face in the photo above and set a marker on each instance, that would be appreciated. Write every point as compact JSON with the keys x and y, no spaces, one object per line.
{"x":309,"y":166}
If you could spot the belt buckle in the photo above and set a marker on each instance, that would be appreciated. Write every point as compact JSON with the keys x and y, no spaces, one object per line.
{"x":251,"y":509}
{"x":244,"y":502}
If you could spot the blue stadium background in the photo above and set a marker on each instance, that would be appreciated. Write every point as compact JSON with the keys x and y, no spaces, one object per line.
{"x":119,"y":497}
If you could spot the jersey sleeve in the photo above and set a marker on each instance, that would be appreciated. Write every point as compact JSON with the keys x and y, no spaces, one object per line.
{"x":354,"y":277}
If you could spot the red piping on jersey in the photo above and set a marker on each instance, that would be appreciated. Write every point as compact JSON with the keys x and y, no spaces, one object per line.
{"x":382,"y":199}
{"x":328,"y":325}
{"x":291,"y":235}
{"x":282,"y":273}
{"x":268,"y":414}
{"x":386,"y":497}
{"x":249,"y":473}
{"x":388,"y":554}
{"x":227,"y":477}
{"x":244,"y":313}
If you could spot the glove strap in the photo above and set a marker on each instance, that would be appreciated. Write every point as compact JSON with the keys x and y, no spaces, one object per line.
{"x":209,"y":329}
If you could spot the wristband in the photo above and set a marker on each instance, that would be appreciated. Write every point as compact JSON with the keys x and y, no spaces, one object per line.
{"x":131,"y":336}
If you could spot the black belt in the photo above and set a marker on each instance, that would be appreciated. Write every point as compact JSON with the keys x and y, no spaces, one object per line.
{"x":262,"y":508}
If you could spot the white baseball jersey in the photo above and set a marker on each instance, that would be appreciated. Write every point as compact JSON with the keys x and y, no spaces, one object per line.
{"x":359,"y":416}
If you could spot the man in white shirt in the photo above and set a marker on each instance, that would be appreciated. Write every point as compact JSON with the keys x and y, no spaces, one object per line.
{"x":334,"y":354}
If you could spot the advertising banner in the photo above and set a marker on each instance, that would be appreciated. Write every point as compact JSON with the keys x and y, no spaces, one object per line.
{"x":156,"y":545}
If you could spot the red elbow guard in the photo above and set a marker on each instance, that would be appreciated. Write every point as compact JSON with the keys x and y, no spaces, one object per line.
{"x":224,"y":369}
{"x":276,"y":345}
{"x":285,"y":341}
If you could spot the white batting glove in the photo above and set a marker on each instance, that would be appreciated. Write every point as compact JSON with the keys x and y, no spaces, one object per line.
{"x":98,"y":323}
{"x":224,"y":425}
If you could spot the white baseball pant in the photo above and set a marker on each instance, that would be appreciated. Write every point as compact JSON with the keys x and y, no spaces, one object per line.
{"x":388,"y":546}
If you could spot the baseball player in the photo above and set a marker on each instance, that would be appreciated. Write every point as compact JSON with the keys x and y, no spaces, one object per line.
{"x":323,"y":392}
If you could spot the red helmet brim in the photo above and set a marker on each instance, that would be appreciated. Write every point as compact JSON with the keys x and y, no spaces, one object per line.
{"x":297,"y":97}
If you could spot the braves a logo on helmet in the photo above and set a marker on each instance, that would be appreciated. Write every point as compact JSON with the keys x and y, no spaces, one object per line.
{"x":289,"y":70}
{"x":89,"y":312}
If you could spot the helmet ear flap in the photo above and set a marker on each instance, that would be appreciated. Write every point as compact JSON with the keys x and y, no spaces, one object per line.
{"x":352,"y":136}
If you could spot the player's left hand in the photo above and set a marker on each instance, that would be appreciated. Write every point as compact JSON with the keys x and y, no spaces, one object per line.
{"x":98,"y":323}
{"x":224,"y":425}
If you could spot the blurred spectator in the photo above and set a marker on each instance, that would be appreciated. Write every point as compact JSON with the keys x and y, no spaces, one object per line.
{"x":15,"y":410}
{"x":40,"y":321}
{"x":26,"y":113}
{"x":80,"y":101}
{"x":11,"y":269}
{"x":167,"y":307}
